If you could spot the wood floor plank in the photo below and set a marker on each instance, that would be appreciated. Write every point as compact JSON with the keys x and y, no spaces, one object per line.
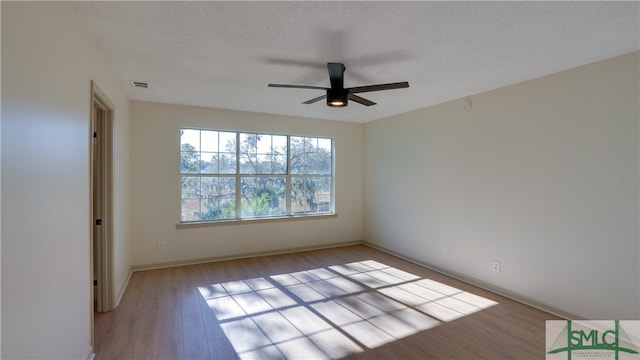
{"x":170,"y":317}
{"x":349,"y":302}
{"x":195,"y":342}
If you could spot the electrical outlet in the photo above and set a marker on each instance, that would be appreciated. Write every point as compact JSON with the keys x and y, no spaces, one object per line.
{"x":496,"y":265}
{"x":161,"y":246}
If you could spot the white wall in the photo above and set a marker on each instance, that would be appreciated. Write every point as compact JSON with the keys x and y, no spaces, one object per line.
{"x":542,"y":175}
{"x":155,"y":195}
{"x":48,"y":61}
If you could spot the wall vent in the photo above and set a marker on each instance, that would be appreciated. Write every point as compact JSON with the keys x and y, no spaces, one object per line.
{"x":140,"y":84}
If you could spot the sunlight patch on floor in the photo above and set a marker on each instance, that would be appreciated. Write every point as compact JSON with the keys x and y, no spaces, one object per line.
{"x":332,"y":312}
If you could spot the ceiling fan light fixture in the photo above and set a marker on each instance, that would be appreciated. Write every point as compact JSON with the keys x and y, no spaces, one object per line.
{"x":337,"y":98}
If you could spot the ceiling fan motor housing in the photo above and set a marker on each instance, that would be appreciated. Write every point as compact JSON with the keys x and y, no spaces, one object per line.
{"x":337,"y":97}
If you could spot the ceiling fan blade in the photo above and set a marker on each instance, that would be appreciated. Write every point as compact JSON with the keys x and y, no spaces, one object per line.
{"x":360,"y":100}
{"x":311,"y":101}
{"x":360,"y":89}
{"x":336,"y":75}
{"x":297,"y":86}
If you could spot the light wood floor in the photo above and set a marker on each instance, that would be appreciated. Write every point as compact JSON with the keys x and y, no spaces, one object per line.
{"x":349,"y":303}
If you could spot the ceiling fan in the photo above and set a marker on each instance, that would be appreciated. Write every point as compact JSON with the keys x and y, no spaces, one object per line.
{"x":337,"y":95}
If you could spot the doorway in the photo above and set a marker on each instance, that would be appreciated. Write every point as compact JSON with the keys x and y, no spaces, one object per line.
{"x":101,"y":203}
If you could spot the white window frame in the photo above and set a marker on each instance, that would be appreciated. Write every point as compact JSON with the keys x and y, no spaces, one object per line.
{"x":238,"y":181}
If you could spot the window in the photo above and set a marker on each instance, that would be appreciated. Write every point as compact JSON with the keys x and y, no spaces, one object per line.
{"x":227,"y":175}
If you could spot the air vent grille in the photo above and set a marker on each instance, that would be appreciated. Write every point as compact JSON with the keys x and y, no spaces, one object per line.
{"x":140,"y":84}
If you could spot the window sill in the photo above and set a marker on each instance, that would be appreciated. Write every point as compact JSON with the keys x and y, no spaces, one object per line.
{"x":191,"y":225}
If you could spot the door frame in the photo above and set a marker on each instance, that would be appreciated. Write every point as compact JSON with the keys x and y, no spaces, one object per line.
{"x":101,"y":124}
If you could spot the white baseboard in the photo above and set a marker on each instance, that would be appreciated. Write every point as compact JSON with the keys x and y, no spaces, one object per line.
{"x":89,"y":355}
{"x":122,"y":289}
{"x":242,"y":256}
{"x":481,"y":284}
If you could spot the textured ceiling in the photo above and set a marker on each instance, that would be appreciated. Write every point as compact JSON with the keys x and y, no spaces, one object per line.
{"x":223,"y":54}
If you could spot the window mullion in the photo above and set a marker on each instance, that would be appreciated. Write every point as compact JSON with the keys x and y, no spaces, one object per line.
{"x":238,"y":182}
{"x":288,"y":175}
